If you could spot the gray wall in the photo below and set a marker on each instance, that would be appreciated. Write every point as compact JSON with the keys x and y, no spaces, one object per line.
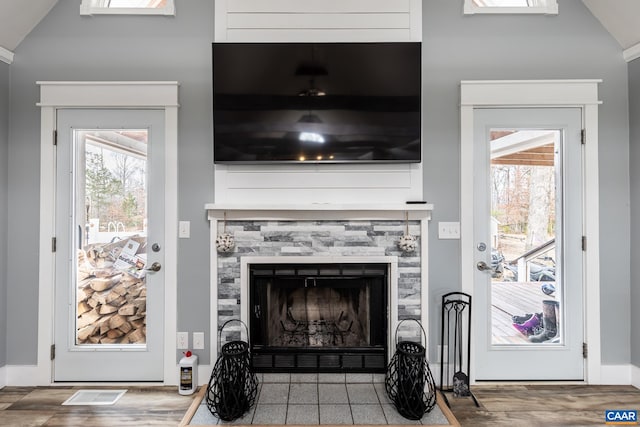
{"x":4,"y":142}
{"x":66,"y":46}
{"x":634,"y":161}
{"x":572,"y":45}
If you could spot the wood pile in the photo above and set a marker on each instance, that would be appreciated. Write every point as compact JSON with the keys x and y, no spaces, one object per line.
{"x":112,"y":300}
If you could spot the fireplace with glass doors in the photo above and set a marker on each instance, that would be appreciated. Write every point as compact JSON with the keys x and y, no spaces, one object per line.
{"x":318,"y":317}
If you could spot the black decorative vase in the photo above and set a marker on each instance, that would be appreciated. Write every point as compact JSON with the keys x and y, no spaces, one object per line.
{"x":408,"y":380}
{"x":233,"y":386}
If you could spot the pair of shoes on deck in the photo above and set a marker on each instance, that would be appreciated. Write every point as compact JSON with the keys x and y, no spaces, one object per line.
{"x":529,"y":324}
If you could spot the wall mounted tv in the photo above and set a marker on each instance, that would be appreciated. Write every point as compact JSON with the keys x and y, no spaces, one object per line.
{"x":317,"y":102}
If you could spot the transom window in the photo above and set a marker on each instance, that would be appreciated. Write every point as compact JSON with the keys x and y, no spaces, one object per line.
{"x":549,"y":7}
{"x":127,"y":7}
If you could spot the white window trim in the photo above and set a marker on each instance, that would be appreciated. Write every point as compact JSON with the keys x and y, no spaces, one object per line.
{"x":539,"y":93}
{"x":89,"y":8}
{"x":56,"y":95}
{"x":551,"y":8}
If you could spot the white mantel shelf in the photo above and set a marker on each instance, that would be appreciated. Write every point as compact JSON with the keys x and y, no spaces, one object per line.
{"x":368,"y":211}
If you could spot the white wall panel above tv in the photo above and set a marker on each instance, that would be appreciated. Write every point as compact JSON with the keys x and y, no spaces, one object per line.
{"x":339,"y":20}
{"x":370,"y":183}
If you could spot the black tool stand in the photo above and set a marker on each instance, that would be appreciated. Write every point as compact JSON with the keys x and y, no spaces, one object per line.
{"x":456,"y":335}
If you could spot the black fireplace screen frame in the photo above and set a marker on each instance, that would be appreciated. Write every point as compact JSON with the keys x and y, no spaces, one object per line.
{"x":340,"y":342}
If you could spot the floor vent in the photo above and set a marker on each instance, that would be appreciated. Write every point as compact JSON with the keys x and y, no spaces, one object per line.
{"x":95,"y":397}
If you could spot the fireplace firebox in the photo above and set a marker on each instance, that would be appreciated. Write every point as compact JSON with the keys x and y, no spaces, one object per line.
{"x":318,"y":317}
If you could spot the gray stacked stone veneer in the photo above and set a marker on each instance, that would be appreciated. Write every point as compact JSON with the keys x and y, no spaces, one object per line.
{"x":317,"y":238}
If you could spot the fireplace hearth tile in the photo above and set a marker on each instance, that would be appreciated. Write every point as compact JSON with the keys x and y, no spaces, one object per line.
{"x":331,"y":378}
{"x":274,"y":394}
{"x":303,"y":414}
{"x":335,"y":414}
{"x":303,"y":394}
{"x":362,"y":394}
{"x":359,"y":378}
{"x":367,"y":414}
{"x":276,"y":378}
{"x":382,"y":394}
{"x":304,"y":378}
{"x":270,"y":414}
{"x":378,"y":378}
{"x":332,"y":393}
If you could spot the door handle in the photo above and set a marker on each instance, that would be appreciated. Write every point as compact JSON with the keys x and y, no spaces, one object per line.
{"x":156,"y":266}
{"x":482,"y":266}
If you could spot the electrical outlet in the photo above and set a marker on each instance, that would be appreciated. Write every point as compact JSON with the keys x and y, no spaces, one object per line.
{"x":182,"y":340}
{"x":198,"y":340}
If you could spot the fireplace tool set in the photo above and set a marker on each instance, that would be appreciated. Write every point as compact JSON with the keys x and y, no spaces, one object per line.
{"x":408,"y":380}
{"x":233,"y":385}
{"x":456,"y":325}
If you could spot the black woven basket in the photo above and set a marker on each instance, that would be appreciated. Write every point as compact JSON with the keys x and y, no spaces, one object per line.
{"x":233,"y":385}
{"x":408,"y":380}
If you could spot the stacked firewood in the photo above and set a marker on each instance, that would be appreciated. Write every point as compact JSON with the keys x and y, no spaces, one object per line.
{"x":112,"y":301}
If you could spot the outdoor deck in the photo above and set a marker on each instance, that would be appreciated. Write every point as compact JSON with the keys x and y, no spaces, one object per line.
{"x":513,"y":299}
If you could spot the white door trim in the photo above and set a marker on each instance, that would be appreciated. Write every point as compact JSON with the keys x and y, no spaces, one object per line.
{"x":538,"y":93}
{"x":149,"y":95}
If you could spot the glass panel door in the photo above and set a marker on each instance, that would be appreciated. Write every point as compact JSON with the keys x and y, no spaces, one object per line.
{"x":109,"y":291}
{"x":528,"y":282}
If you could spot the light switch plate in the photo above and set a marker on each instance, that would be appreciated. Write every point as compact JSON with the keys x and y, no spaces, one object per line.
{"x":184,"y":229}
{"x":448,"y":230}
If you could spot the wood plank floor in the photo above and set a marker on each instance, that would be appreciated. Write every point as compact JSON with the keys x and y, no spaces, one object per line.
{"x":500,"y":405}
{"x":513,"y":299}
{"x":140,"y":406}
{"x":542,"y":405}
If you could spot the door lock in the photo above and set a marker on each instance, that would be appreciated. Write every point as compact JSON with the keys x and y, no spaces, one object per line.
{"x":156,"y":266}
{"x":482,"y":266}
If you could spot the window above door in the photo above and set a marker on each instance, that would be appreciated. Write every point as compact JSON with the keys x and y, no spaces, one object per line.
{"x":127,"y":7}
{"x":542,"y":7}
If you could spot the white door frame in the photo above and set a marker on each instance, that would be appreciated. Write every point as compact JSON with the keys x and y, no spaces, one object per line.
{"x":142,"y":95}
{"x":538,"y":93}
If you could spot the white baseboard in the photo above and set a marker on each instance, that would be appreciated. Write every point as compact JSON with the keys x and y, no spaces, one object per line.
{"x":615,"y":374}
{"x":3,"y":377}
{"x":26,"y":376}
{"x":635,"y":376}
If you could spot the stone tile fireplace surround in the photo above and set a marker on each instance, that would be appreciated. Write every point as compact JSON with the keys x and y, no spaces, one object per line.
{"x":317,"y":233}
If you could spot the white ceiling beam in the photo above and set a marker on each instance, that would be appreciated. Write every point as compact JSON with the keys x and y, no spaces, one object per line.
{"x":521,"y":141}
{"x":631,"y":53}
{"x":6,"y":55}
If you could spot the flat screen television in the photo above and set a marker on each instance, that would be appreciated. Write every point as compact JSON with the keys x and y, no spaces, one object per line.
{"x":317,"y":102}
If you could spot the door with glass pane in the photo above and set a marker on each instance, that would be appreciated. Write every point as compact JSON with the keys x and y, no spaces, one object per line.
{"x":109,"y":289}
{"x":528,"y":244}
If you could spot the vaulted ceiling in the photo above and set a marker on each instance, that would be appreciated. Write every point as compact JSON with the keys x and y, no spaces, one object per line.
{"x":619,"y":17}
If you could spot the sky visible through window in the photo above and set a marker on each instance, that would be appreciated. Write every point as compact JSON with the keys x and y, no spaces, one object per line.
{"x":509,"y":3}
{"x":152,"y":4}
